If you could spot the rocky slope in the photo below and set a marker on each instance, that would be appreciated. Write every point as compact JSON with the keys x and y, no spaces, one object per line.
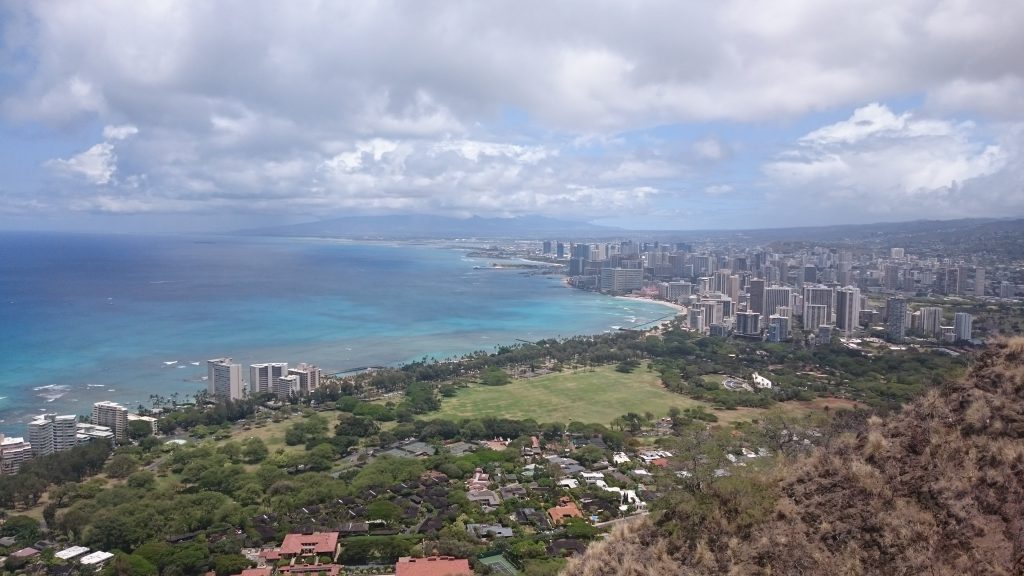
{"x":936,"y":489}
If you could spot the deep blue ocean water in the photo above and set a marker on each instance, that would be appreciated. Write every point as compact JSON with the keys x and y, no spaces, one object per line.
{"x":90,"y":317}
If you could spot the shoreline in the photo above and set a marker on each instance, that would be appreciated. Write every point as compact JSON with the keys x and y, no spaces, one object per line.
{"x":677,"y":307}
{"x":77,"y":393}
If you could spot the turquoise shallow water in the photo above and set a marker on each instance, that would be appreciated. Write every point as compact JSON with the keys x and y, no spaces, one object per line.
{"x":86,"y":318}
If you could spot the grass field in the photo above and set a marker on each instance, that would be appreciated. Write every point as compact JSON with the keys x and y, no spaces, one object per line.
{"x":597,"y":396}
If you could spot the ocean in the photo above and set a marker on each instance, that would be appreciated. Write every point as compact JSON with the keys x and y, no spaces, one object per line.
{"x":85,"y":318}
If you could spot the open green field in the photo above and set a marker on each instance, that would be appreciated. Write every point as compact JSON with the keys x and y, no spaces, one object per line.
{"x":595,"y":396}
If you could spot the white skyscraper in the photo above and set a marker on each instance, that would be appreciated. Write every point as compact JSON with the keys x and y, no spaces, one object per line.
{"x":113,"y":416}
{"x":224,"y":379}
{"x":848,"y":309}
{"x":262,"y":376}
{"x":696,"y":319}
{"x":49,"y":433}
{"x":286,"y":385}
{"x":309,"y":377}
{"x":775,"y":296}
{"x":962,"y":322}
{"x":979,"y":282}
{"x":930,"y":321}
{"x":818,"y":296}
{"x":815,"y":315}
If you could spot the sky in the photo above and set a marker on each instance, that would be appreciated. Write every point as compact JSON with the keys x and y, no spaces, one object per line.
{"x":207,"y":116}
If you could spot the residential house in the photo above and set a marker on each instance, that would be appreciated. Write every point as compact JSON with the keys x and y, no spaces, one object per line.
{"x":315,"y":544}
{"x":433,"y":566}
{"x":566,"y":508}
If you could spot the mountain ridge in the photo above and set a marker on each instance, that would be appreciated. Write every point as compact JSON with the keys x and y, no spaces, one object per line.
{"x":937,"y":488}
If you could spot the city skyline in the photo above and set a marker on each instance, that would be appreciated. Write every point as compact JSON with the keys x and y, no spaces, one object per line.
{"x":148,"y":118}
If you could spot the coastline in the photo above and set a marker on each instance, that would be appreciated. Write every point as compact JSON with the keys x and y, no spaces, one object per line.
{"x":443,"y":308}
{"x":677,"y":307}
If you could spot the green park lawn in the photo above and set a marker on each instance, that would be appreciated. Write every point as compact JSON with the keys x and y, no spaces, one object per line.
{"x":594,"y":396}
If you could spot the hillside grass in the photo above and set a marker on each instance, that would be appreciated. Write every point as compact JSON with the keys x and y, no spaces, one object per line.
{"x":596,"y":395}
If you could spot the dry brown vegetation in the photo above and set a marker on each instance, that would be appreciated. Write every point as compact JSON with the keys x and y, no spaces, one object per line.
{"x":935,"y":489}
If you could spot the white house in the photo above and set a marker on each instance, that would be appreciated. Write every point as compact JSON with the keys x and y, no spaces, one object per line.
{"x":761,"y":381}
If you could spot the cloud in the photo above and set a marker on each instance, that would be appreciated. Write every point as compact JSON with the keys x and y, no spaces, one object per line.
{"x":308,"y":107}
{"x":718,"y":189}
{"x":119,"y":132}
{"x":881,"y":164}
{"x":709,"y":149}
{"x":97,"y":164}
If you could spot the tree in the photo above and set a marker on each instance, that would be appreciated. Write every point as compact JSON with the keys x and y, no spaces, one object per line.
{"x":384,"y":510}
{"x":228,"y":564}
{"x":24,"y":529}
{"x":121,"y":466}
{"x":139,"y":429}
{"x":254,"y":450}
{"x":143,"y":479}
{"x":494,"y":376}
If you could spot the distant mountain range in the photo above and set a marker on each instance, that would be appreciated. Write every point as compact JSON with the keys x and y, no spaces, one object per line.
{"x":412,"y":226}
{"x":1007,"y":234}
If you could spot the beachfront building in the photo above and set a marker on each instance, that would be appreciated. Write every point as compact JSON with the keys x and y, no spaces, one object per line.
{"x":308,"y":375}
{"x":85,"y":432}
{"x":621,"y":280}
{"x":263,"y":376}
{"x":113,"y":416}
{"x":49,"y":433}
{"x":149,"y":420}
{"x":224,"y":379}
{"x":14,"y":452}
{"x":285,"y":386}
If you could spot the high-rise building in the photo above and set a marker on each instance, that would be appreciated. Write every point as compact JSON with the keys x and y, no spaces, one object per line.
{"x":748,"y":323}
{"x":818,"y":296}
{"x":262,"y":376}
{"x":113,"y":416}
{"x":951,"y":280}
{"x":309,"y":377}
{"x":286,"y":385}
{"x":979,"y":281}
{"x":732,"y":287}
{"x":815,"y":315}
{"x":546,"y":247}
{"x":962,"y":322}
{"x":560,"y":250}
{"x":896,"y":253}
{"x":755,"y":293}
{"x":930,"y":321}
{"x":696,"y":319}
{"x":848,"y":309}
{"x":1007,"y":290}
{"x":775,"y":296}
{"x":891,"y":277}
{"x":14,"y":452}
{"x":778,"y":328}
{"x":713,"y":313}
{"x":896,"y":318}
{"x":49,"y":433}
{"x":810,"y":274}
{"x":621,"y":280}
{"x":703,"y":265}
{"x":224,"y":379}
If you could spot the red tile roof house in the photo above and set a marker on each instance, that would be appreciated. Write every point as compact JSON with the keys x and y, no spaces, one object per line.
{"x":256,"y":572}
{"x":566,"y":509}
{"x":432,"y":566}
{"x":315,"y":544}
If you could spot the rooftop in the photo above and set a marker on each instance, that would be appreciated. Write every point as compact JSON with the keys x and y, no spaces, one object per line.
{"x":96,"y":558}
{"x":315,"y":543}
{"x":69,"y":553}
{"x":432,"y":566}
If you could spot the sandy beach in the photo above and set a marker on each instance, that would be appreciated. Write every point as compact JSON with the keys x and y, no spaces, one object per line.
{"x":677,"y":307}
